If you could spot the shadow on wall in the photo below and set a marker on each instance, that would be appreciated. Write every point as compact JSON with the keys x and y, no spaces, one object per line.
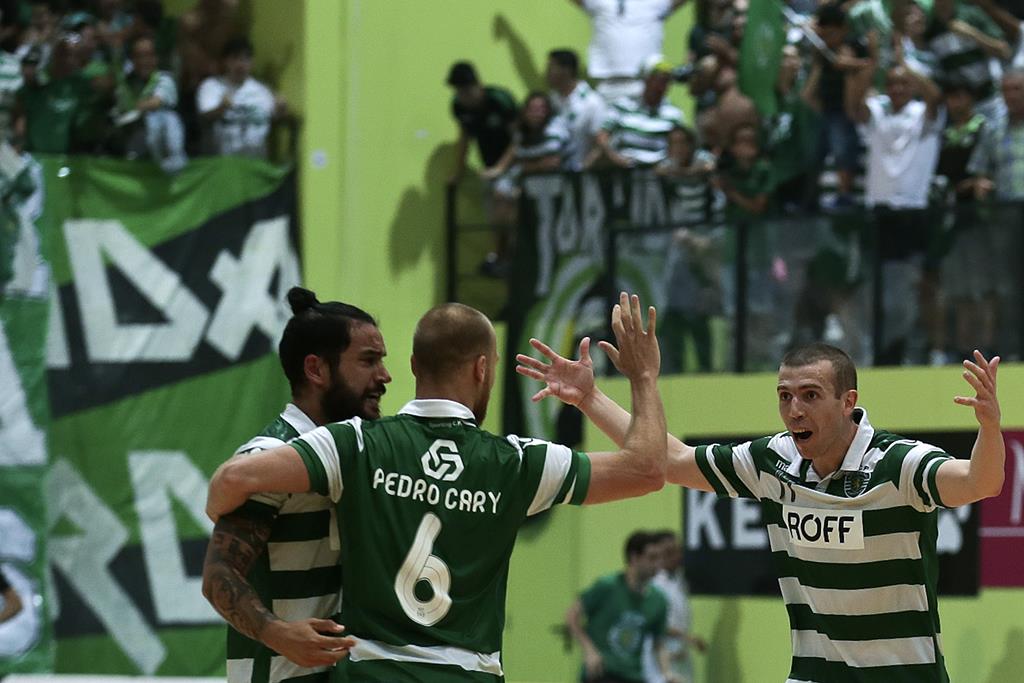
{"x":723,"y":652}
{"x":522,"y":58}
{"x":418,"y":227}
{"x":1011,"y":664}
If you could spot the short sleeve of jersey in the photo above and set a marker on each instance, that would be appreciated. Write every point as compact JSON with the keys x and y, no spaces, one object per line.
{"x":612,"y":117}
{"x":323,"y":448}
{"x":876,"y":107}
{"x":507,"y":104}
{"x":594,"y":596}
{"x":554,"y":474}
{"x":209,"y":95}
{"x":917,"y":477}
{"x":730,"y":470}
{"x":264,"y":443}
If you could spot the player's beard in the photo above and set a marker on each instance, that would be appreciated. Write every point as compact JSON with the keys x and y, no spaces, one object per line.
{"x":341,"y":402}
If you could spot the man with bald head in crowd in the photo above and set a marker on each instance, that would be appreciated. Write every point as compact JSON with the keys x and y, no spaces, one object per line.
{"x":430,"y":504}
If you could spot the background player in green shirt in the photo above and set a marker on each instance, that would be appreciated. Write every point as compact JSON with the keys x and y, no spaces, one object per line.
{"x":622,"y":610}
{"x":430,"y":504}
{"x":850,"y":510}
{"x":271,"y":568}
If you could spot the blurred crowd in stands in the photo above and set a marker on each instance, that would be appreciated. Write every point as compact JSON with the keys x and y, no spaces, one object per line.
{"x":909,"y":113}
{"x":124,"y":78}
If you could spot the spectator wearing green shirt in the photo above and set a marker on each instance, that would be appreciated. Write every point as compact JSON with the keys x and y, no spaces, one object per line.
{"x":53,"y":112}
{"x":611,"y":619}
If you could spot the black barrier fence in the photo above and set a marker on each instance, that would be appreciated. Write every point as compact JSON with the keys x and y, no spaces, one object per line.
{"x":734,"y":293}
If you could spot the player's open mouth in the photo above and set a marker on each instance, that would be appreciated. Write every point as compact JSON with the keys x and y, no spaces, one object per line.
{"x":801,"y":434}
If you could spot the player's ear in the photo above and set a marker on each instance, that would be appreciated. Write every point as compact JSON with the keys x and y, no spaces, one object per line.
{"x":316,"y":371}
{"x":849,"y":401}
{"x":480,"y":368}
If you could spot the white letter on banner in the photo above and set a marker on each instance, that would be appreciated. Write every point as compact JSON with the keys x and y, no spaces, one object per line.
{"x":107,"y":340}
{"x":19,"y":634}
{"x":23,"y":442}
{"x":156,"y":476}
{"x":84,"y":559}
{"x":245,"y":282}
{"x":543,"y":190}
{"x":747,"y":531}
{"x":700,"y":514}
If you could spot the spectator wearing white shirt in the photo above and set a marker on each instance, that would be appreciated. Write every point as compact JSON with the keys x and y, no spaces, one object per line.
{"x":903,"y":138}
{"x":678,"y":638}
{"x":579,"y":105}
{"x":235,"y":108}
{"x":624,"y":33}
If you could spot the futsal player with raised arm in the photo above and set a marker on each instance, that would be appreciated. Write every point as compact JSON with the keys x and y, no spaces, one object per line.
{"x":429,"y":504}
{"x":850,"y":509}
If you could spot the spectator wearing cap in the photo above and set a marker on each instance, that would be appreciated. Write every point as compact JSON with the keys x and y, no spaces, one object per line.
{"x":485,"y":113}
{"x":235,"y":108}
{"x":54,"y":110}
{"x":576,"y":102}
{"x":146,"y":98}
{"x":968,"y":46}
{"x":635,"y":132}
{"x":623,"y":35}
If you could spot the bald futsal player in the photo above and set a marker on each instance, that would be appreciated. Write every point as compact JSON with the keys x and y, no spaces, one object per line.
{"x":430,"y":504}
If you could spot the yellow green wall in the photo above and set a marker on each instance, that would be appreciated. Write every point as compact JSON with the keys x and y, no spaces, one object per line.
{"x":367,"y":78}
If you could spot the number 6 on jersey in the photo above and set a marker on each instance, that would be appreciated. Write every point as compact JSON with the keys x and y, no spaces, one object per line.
{"x":420,"y":565}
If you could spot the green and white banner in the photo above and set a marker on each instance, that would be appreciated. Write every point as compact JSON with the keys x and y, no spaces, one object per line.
{"x":561,"y":288}
{"x":167,"y":305}
{"x":26,"y":641}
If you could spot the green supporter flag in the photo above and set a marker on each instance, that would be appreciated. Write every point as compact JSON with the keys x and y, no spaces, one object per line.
{"x":761,"y":53}
{"x":168,"y":304}
{"x":26,"y":641}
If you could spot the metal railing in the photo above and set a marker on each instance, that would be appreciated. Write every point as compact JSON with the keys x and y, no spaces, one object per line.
{"x":889,"y":287}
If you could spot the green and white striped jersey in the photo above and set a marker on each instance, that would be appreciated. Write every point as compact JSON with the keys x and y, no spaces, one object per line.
{"x":639,"y":132}
{"x":430,"y":506}
{"x":298,"y":577}
{"x":855,"y":551}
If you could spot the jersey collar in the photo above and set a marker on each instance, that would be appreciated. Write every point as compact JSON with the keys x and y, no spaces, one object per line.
{"x":437,"y":407}
{"x":854,"y":454}
{"x":299,"y":421}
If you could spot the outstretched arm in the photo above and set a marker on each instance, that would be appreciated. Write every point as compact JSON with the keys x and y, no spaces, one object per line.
{"x":638,"y":467}
{"x":965,"y":481}
{"x":239,"y":539}
{"x":572,"y":382}
{"x":277,"y":470}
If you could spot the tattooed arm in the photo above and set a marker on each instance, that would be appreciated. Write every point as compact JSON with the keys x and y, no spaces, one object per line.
{"x":239,"y":538}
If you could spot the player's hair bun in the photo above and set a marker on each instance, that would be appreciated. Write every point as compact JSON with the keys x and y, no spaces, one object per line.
{"x":301,"y":300}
